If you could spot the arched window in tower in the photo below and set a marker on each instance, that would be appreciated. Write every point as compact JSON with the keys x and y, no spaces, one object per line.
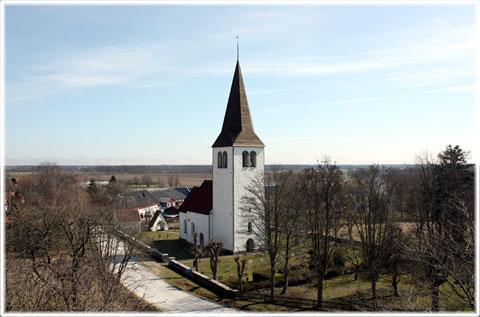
{"x":246,"y":159}
{"x":219,"y":160}
{"x":224,"y":159}
{"x":253,"y":159}
{"x":184,"y":226}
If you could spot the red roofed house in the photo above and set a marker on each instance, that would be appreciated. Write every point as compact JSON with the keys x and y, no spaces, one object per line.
{"x":195,"y":214}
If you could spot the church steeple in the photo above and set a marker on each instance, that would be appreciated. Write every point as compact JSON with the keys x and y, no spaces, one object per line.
{"x":237,"y":129}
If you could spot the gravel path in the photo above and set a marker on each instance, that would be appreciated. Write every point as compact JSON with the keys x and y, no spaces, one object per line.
{"x":144,"y":283}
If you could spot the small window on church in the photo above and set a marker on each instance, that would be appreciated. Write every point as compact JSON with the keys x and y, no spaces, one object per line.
{"x":224,"y":159}
{"x":219,"y":160}
{"x":246,"y":159}
{"x":253,"y":159}
{"x":250,"y":226}
{"x":185,"y":226}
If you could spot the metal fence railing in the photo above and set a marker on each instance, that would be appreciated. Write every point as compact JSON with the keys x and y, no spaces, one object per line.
{"x":304,"y":302}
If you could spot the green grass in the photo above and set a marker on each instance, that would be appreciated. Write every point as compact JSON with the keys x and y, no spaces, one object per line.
{"x":414,"y":295}
{"x":227,"y":268}
{"x":167,"y":242}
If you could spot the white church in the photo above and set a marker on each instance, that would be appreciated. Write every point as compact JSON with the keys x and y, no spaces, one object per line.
{"x":213,"y":210}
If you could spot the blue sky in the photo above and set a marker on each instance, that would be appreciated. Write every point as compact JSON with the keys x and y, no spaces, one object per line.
{"x":150,"y":84}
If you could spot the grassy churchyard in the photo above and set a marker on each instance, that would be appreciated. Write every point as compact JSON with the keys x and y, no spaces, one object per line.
{"x":339,"y":284}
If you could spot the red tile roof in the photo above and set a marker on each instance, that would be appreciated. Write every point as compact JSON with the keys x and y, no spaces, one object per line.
{"x":199,"y":200}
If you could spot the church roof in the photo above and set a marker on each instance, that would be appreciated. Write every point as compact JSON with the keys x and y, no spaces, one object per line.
{"x":199,"y":200}
{"x":237,"y":129}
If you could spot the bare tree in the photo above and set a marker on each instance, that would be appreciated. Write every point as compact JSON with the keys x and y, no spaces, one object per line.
{"x":263,"y":209}
{"x":173,"y":181}
{"x":197,"y":252}
{"x":394,"y":260}
{"x":160,"y":182}
{"x":213,"y":251}
{"x":240,"y":270}
{"x":371,"y":193}
{"x":290,"y":225}
{"x":352,"y":255}
{"x":147,"y":180}
{"x":442,"y":198}
{"x":63,"y":238}
{"x":322,"y":192}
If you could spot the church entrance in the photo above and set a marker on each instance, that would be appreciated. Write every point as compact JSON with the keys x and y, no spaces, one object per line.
{"x":250,"y":245}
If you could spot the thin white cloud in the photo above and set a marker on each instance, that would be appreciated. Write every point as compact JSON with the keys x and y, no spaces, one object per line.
{"x":459,"y":88}
{"x":362,"y":100}
{"x":97,"y":67}
{"x":429,"y":50}
{"x":418,"y":60}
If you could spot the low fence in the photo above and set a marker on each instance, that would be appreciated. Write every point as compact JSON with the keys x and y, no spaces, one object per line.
{"x":203,"y":280}
{"x":303,"y":302}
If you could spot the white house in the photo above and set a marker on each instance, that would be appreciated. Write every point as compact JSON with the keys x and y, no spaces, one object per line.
{"x":158,"y":222}
{"x":213,"y":210}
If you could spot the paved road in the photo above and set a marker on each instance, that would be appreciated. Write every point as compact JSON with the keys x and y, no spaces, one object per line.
{"x":144,"y":283}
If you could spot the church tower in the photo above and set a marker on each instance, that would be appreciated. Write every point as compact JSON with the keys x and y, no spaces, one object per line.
{"x":238,"y":158}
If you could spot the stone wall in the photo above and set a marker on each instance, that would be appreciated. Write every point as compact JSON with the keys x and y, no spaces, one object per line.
{"x":203,"y":280}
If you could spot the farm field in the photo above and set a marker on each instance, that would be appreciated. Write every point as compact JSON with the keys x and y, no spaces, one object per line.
{"x":184,"y":179}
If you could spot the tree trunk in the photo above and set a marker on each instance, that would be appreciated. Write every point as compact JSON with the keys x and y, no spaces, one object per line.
{"x":435,"y":295}
{"x":285,"y":269}
{"x":320,"y":289}
{"x":285,"y":277}
{"x":374,"y":294}
{"x":240,"y":284}
{"x":395,"y":285}
{"x":215,"y":272}
{"x":272,"y":283}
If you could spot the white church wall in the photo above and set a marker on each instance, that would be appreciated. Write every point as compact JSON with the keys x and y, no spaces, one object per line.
{"x":243,"y":177}
{"x":201,"y":226}
{"x":183,"y":217}
{"x":222,"y":214}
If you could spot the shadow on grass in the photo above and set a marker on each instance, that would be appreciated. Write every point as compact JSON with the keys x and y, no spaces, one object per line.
{"x":179,"y":249}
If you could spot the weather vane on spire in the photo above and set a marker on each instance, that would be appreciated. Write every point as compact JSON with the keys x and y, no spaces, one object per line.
{"x":237,"y":49}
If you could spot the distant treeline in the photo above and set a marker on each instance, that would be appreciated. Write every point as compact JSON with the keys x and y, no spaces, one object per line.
{"x":137,"y":169}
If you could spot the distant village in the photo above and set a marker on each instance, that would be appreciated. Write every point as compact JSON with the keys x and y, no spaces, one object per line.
{"x":136,"y":211}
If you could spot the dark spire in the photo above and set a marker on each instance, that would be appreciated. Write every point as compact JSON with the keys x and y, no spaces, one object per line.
{"x":238,"y":56}
{"x":237,"y":127}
